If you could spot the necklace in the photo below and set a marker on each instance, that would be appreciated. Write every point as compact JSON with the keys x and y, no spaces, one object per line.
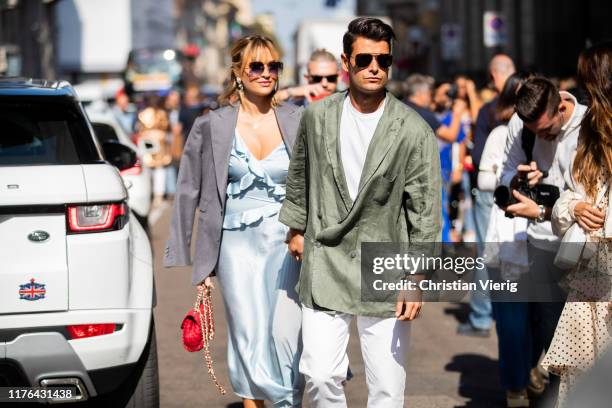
{"x":256,"y":122}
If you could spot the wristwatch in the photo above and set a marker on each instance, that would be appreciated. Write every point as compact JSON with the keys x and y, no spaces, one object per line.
{"x":542,"y":216}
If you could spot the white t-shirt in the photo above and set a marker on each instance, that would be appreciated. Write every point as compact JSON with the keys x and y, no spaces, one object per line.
{"x":356,"y":132}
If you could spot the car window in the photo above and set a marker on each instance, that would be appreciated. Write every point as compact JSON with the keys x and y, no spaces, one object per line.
{"x":39,"y":133}
{"x":104,"y":133}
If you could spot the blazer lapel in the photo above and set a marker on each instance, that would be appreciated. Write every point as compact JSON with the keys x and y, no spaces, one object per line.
{"x":222,"y":127}
{"x":383,"y":139}
{"x":331,"y":135}
{"x":287,"y":117}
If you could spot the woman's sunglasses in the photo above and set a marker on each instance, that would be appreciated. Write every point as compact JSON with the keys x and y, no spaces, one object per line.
{"x":318,"y":78}
{"x":257,"y":68}
{"x":364,"y":60}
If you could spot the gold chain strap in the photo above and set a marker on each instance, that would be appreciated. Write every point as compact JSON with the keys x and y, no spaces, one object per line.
{"x":207,"y":325}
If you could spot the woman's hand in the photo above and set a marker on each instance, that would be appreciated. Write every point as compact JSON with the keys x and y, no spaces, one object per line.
{"x":588,"y":217}
{"x":207,"y":283}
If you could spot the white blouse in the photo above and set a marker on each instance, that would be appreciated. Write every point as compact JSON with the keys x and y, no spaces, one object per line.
{"x":563,"y":217}
{"x":492,"y":160}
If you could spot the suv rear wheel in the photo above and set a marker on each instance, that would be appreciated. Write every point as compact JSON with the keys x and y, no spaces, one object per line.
{"x":142,"y":389}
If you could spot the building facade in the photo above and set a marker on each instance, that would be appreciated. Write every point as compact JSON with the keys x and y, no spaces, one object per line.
{"x":27,"y":38}
{"x":447,"y":37}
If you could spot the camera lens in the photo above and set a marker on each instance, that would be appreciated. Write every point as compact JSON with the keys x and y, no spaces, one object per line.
{"x":502,"y":196}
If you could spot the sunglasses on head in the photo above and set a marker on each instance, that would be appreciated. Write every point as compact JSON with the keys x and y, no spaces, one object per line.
{"x":318,"y":78}
{"x":364,"y":60}
{"x":257,"y":68}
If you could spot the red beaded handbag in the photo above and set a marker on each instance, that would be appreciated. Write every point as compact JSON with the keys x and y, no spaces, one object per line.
{"x":198,"y":328}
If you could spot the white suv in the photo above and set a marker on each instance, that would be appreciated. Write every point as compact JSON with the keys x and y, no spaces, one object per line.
{"x":108,"y":129}
{"x":76,"y":275}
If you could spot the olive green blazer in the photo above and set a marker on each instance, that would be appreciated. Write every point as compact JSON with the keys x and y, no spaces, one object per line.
{"x":399,"y":200}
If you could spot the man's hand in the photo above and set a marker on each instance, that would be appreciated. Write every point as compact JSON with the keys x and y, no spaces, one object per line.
{"x":295,"y":241}
{"x":409,"y":304}
{"x":526,"y":207}
{"x":314,"y":92}
{"x":533,"y":174}
{"x":308,"y":91}
{"x":588,"y":217}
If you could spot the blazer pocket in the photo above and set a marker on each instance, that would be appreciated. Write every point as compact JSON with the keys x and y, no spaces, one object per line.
{"x":383,"y":189}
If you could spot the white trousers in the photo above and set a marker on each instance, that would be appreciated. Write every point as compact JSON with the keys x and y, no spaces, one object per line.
{"x":324,"y":362}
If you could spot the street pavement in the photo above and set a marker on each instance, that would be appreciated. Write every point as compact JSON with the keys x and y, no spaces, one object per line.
{"x":444,"y":370}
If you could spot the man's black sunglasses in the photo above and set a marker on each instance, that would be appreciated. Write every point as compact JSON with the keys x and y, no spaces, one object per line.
{"x":318,"y":78}
{"x":257,"y":68}
{"x":364,"y":60}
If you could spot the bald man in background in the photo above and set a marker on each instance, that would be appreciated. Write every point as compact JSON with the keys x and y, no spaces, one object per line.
{"x":322,"y":76}
{"x":480,"y":318}
{"x":500,"y":69}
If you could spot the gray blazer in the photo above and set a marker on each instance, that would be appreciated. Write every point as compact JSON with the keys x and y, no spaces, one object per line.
{"x":202,"y":186}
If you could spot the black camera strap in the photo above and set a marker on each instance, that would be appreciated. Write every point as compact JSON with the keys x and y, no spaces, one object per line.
{"x":527,"y":143}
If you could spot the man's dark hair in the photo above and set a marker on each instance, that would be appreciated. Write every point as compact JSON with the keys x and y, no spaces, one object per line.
{"x":367,"y":27}
{"x":536,"y":96}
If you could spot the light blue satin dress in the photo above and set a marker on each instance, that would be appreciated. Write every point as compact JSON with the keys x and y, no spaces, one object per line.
{"x":258,"y":278}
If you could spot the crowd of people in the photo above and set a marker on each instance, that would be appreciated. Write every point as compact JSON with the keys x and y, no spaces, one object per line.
{"x":530,"y":133}
{"x":159,"y":123}
{"x":265,"y":173}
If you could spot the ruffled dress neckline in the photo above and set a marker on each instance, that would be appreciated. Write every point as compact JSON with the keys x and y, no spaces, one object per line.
{"x":251,"y":184}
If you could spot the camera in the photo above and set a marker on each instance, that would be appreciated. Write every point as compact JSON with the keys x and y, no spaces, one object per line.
{"x":542,"y":194}
{"x":453,"y":91}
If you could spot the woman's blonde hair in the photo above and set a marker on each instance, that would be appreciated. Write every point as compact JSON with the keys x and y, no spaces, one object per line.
{"x":594,"y":150}
{"x":244,"y":51}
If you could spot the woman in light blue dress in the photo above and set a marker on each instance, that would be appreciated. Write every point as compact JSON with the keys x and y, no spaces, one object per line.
{"x":257,"y":279}
{"x":256,"y":274}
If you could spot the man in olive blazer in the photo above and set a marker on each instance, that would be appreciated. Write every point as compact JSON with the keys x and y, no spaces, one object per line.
{"x":397,"y":199}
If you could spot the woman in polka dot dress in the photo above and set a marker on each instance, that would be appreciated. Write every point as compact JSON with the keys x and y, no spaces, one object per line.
{"x":584,"y":329}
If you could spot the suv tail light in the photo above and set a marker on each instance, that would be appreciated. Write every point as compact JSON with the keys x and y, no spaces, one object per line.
{"x":82,"y":331}
{"x":97,"y":217}
{"x":133,"y":171}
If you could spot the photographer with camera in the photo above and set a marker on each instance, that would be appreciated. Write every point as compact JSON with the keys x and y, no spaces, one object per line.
{"x":542,"y":135}
{"x":419,"y":97}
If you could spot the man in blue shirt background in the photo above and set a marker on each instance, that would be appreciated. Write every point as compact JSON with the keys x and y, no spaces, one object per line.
{"x":419,"y":90}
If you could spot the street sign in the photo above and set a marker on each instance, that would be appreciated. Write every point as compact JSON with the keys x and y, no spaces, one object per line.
{"x":495,"y":32}
{"x":451,"y":35}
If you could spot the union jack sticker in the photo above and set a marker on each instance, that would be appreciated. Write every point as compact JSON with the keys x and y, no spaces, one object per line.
{"x":32,"y":290}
